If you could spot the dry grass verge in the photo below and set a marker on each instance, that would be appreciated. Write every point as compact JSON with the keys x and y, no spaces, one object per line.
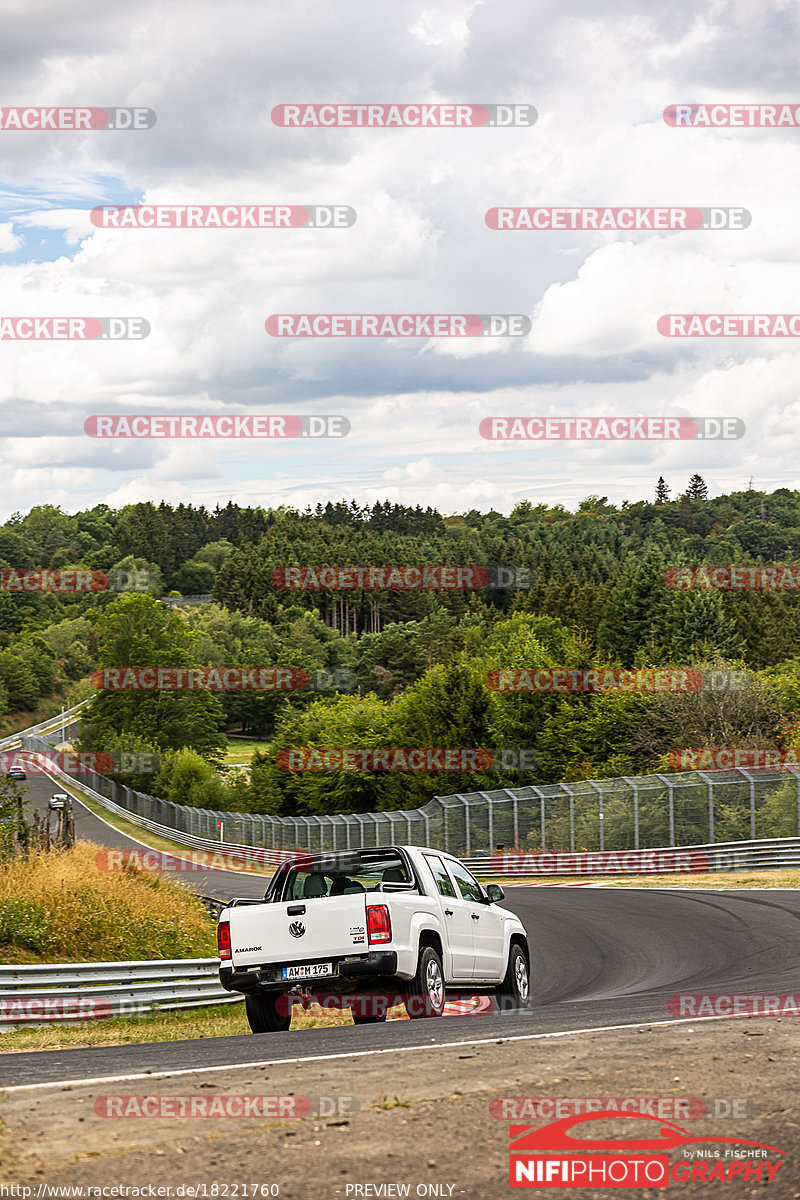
{"x":64,"y":907}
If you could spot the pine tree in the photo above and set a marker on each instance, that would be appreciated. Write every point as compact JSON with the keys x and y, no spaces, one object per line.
{"x":636,"y":609}
{"x":662,"y":491}
{"x":698,"y":628}
{"x":697,"y":489}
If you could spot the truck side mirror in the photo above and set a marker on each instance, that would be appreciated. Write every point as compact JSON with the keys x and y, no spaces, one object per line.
{"x":495,"y":892}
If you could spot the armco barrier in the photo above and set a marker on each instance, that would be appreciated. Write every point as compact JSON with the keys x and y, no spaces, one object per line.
{"x":64,"y":992}
{"x":67,"y":720}
{"x":649,"y":811}
{"x":764,"y":854}
{"x":666,"y":860}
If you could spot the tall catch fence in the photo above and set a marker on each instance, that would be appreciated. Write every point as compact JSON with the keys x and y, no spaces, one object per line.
{"x":631,"y":813}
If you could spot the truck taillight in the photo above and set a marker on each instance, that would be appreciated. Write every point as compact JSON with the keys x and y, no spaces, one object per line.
{"x":379,"y":925}
{"x":224,"y":939}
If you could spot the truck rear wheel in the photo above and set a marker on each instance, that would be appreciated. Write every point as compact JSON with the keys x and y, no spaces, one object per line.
{"x":515,"y":990}
{"x":266,"y":1015}
{"x":423,"y":995}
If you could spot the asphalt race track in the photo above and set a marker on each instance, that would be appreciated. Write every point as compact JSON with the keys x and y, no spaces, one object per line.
{"x":222,"y":884}
{"x":602,"y":958}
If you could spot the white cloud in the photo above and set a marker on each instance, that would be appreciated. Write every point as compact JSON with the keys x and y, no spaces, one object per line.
{"x":599,"y":79}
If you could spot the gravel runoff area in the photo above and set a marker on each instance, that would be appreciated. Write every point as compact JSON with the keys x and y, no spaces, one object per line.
{"x":418,"y":1117}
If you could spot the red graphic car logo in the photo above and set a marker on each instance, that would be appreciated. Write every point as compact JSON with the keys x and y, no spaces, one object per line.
{"x":557,"y":1136}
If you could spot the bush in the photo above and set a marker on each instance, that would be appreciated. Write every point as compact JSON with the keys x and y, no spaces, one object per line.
{"x":25,"y":925}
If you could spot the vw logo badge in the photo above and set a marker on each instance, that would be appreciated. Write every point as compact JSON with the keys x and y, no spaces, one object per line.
{"x":297,"y":929}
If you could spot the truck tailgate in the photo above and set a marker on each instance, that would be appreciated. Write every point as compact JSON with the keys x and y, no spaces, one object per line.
{"x":315,"y":930}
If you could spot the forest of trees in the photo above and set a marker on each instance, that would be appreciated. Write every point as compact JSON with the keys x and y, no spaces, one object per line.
{"x":594,"y":595}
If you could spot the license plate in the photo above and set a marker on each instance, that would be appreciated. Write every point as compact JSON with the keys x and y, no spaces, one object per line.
{"x":307,"y":971}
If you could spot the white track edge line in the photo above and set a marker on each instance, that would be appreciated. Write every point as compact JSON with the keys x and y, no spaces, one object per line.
{"x":310,"y":1058}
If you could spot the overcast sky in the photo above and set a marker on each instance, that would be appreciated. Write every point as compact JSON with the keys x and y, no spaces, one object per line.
{"x":213,"y":72}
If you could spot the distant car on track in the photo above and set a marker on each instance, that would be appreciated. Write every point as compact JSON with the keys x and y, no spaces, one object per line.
{"x":58,"y":800}
{"x":16,"y":773}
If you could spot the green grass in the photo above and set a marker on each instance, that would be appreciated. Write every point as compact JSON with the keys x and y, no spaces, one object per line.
{"x":48,"y":709}
{"x":241,"y":750}
{"x":219,"y":1020}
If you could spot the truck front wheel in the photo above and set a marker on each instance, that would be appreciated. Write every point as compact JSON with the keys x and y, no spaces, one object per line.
{"x":423,"y":995}
{"x":515,"y":990}
{"x":270,"y":1012}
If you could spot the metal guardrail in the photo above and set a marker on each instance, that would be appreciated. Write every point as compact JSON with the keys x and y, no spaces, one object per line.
{"x":51,"y":725}
{"x":255,"y":855}
{"x":177,"y":601}
{"x":757,"y":854}
{"x":69,"y":992}
{"x":640,"y":811}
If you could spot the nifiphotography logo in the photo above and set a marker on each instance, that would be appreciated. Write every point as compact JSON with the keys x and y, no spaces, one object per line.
{"x":550,"y":1156}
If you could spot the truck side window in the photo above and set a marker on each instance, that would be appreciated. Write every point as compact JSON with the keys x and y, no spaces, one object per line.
{"x":468,"y":886}
{"x":443,"y":882}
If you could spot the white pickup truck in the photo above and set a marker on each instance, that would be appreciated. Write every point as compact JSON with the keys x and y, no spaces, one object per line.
{"x":396,"y":921}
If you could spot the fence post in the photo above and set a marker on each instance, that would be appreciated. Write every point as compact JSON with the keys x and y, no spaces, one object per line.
{"x":540,"y":794}
{"x":710,"y":785}
{"x":670,"y":788}
{"x":571,"y":795}
{"x":599,"y":791}
{"x":447,"y":835}
{"x":635,"y":790}
{"x":490,"y":821}
{"x":797,"y":779}
{"x":465,"y":802}
{"x":752,"y":783}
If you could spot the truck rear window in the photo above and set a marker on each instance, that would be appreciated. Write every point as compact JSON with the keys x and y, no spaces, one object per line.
{"x":345,"y":876}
